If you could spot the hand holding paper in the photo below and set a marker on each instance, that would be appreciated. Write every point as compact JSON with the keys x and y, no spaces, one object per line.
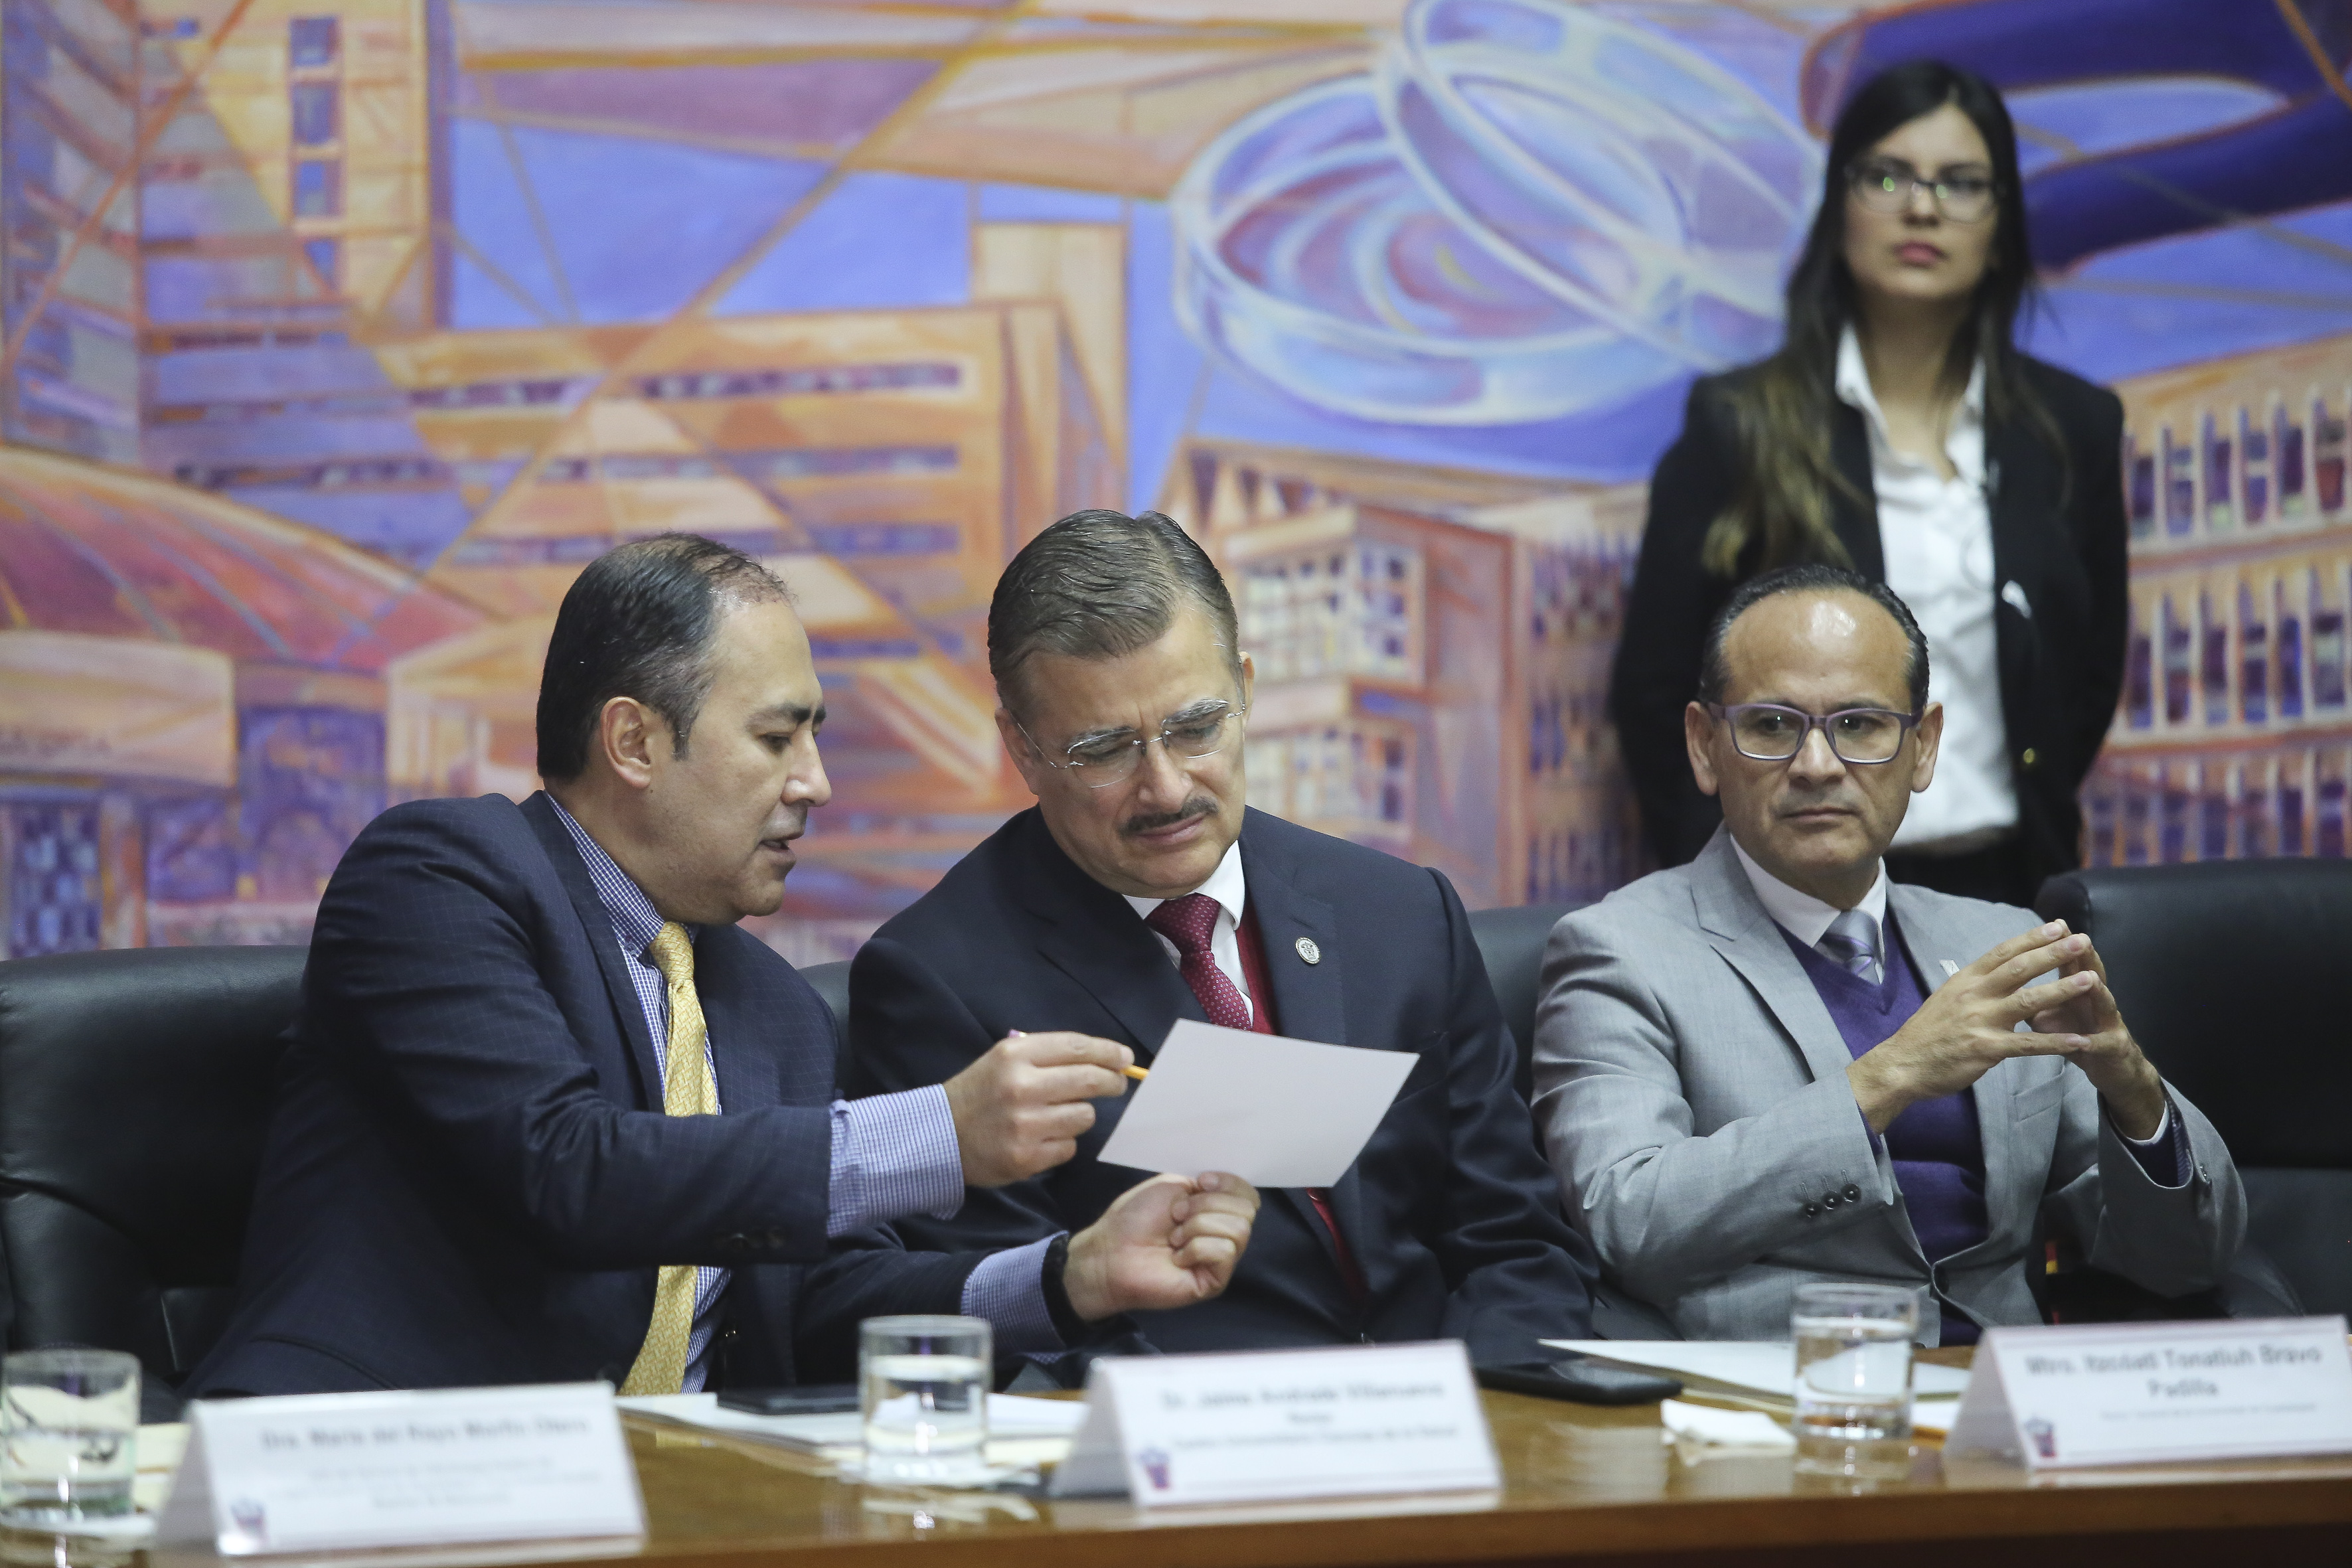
{"x":1170,"y":1242}
{"x":1275,"y":1112}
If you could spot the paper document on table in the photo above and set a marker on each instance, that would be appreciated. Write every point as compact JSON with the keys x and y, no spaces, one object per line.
{"x":1766,"y":1366}
{"x":1019,"y":1430}
{"x":1276,"y":1112}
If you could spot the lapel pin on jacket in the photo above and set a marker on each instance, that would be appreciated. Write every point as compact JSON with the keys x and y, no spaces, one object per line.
{"x":1307,"y":950}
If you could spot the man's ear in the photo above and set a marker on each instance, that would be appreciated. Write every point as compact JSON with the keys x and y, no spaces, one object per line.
{"x":1032,"y":769}
{"x":1698,"y":729}
{"x":632,"y":738}
{"x":1930,"y":732}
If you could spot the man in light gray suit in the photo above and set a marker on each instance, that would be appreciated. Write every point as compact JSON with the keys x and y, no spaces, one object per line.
{"x":1772,"y":1067}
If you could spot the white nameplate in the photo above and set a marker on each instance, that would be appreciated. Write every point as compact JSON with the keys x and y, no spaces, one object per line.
{"x":2124,"y":1394}
{"x":1261,"y":1425}
{"x":326,"y":1471}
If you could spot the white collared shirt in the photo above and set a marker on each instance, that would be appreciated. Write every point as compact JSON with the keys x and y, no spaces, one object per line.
{"x":1803,"y":915}
{"x":1227,"y":885}
{"x":1937,"y":535}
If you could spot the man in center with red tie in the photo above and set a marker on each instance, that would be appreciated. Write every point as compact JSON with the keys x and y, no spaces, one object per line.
{"x":1141,"y":889}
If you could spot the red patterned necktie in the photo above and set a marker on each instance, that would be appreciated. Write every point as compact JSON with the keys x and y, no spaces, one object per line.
{"x":1188,"y":923}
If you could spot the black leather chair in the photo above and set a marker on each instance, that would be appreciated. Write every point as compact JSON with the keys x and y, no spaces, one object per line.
{"x":832,"y":982}
{"x":134,"y":1096}
{"x":2236,"y":976}
{"x":1511,"y":941}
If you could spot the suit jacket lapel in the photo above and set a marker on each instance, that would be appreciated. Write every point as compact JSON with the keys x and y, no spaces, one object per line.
{"x":2015,"y":484}
{"x":1855,"y":522}
{"x":1307,"y":999}
{"x":596,"y":924}
{"x":717,"y":982}
{"x":1750,"y":941}
{"x":1309,"y":1004}
{"x":1094,"y":937}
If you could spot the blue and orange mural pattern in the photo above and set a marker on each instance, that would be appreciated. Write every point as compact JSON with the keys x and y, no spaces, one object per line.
{"x":335,"y":335}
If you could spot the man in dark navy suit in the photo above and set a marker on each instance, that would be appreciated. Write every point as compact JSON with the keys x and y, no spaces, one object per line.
{"x":551,"y":1115}
{"x":1140,"y":891}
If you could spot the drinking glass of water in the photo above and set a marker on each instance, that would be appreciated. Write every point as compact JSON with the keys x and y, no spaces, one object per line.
{"x":1853,"y":1377}
{"x":923,"y":1390}
{"x":68,"y":1431}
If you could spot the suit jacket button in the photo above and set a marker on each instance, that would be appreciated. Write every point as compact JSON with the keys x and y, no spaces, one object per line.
{"x":1853,"y":1194}
{"x":2027,"y":757}
{"x":1812,"y":1210}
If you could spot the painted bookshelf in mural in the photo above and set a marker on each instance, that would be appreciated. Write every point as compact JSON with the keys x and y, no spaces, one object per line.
{"x":1433,"y":652}
{"x":2234,"y":738}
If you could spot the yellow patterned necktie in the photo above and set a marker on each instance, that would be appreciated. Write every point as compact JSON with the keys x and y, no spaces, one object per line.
{"x":688,"y":1090}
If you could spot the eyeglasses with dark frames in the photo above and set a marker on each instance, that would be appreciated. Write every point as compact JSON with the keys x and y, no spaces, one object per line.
{"x":1100,"y":761}
{"x":1887,"y":185}
{"x":1772,"y":732}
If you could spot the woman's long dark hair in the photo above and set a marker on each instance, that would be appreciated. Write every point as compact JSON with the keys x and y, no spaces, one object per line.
{"x":1782,"y":411}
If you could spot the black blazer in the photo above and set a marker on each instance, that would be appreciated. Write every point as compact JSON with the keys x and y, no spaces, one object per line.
{"x":1449,"y":1212}
{"x":469,"y":1179}
{"x":2058,"y":534}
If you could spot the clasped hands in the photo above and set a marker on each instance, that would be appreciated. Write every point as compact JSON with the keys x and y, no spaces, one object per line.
{"x":1970,"y":1025}
{"x":1169,"y":1242}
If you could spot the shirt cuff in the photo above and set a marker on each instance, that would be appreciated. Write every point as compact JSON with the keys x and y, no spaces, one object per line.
{"x":2164,"y":1154}
{"x":1008,"y":1288}
{"x":893,"y":1154}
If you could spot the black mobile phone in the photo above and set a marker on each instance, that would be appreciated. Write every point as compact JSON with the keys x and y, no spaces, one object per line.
{"x":1580,"y":1379}
{"x":816,"y":1399}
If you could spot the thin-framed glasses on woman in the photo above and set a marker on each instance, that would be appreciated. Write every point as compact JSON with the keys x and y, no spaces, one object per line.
{"x":1100,"y":760}
{"x":1769,"y":733}
{"x":1966,"y":193}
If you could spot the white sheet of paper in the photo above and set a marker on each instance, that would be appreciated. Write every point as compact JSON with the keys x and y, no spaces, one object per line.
{"x":1019,"y":1430}
{"x":1277,"y":1113}
{"x":1768,"y":1366}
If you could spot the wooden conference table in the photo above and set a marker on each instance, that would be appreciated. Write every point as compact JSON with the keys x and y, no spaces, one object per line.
{"x":1582,"y":1486}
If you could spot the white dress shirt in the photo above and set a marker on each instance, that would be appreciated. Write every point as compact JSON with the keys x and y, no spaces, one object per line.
{"x":1805,"y":917}
{"x":1227,"y":885}
{"x":1937,"y":535}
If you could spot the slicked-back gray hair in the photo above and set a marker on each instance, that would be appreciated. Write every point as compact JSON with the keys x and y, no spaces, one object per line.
{"x":1097,"y":585}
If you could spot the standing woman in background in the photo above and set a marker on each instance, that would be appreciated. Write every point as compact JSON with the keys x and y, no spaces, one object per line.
{"x":1899,"y":432}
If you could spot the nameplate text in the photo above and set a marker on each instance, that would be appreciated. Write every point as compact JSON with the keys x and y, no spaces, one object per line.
{"x":1266,"y":1425}
{"x":2125,"y":1394}
{"x":330,"y":1471}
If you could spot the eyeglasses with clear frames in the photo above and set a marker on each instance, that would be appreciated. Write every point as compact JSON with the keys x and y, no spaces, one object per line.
{"x":1106,"y":760}
{"x":1769,"y":733}
{"x":1887,"y":185}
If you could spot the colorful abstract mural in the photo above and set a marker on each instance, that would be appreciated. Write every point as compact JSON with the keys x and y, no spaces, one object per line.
{"x":336,"y":335}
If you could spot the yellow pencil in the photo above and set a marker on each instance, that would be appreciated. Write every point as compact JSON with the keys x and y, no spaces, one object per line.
{"x":1138,"y":1074}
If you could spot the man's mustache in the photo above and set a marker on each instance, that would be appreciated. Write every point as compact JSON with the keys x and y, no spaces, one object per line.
{"x":1199,"y":806}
